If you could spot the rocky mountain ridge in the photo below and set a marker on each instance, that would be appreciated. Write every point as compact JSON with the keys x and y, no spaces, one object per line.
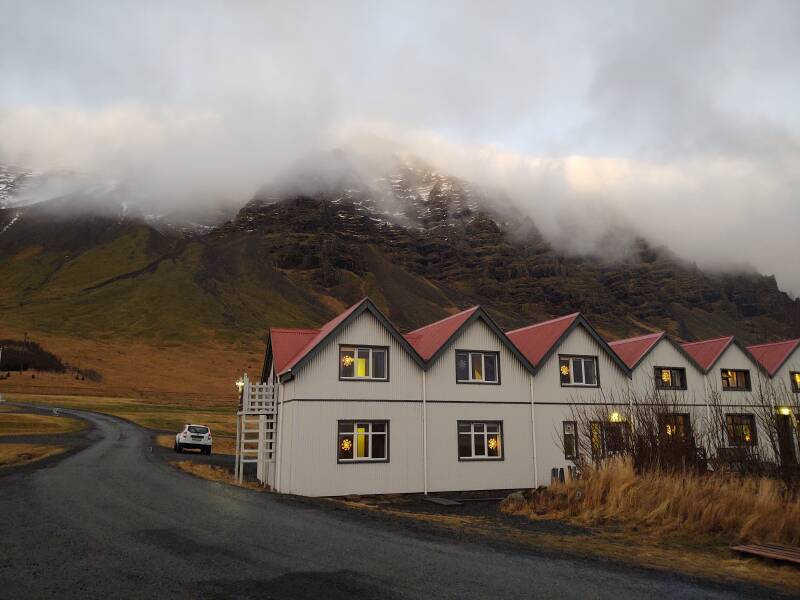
{"x":421,"y":243}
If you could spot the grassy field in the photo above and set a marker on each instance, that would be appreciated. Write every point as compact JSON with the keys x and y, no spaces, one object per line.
{"x":18,"y":423}
{"x":159,"y":415}
{"x":20,"y":454}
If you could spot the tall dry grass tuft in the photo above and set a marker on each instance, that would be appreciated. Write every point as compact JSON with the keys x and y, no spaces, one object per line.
{"x":742,"y":509}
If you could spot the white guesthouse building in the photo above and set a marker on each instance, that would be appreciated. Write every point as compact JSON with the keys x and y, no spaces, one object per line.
{"x":356,"y":407}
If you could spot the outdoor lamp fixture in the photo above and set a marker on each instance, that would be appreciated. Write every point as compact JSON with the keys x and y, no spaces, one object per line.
{"x":239,"y":385}
{"x":615,"y":417}
{"x":784,"y":410}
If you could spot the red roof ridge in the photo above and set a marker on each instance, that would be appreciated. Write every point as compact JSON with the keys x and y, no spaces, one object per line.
{"x":719,"y":339}
{"x":441,"y":321}
{"x":427,"y":340}
{"x":540,"y":323}
{"x":638,"y":338}
{"x":795,"y":341}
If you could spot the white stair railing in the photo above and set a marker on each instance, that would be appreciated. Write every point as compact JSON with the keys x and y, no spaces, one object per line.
{"x":255,"y":428}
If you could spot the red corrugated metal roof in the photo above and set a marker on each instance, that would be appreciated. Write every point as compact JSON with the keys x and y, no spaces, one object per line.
{"x":312,"y":336}
{"x":535,"y":341}
{"x":773,"y":355}
{"x":632,"y":350}
{"x":287,"y":343}
{"x":705,"y":353}
{"x":427,"y":340}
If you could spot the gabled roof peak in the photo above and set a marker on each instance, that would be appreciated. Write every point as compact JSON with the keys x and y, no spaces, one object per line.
{"x":707,"y":352}
{"x":772,"y":355}
{"x":570,"y":317}
{"x":633,"y":350}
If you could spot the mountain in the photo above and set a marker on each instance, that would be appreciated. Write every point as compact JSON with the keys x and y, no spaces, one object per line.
{"x":422,"y":244}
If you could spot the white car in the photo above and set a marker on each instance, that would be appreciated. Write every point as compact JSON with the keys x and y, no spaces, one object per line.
{"x":194,"y":436}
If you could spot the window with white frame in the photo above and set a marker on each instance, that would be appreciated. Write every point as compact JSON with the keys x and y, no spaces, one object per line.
{"x":363,"y":441}
{"x":364,"y":363}
{"x":477,"y":366}
{"x":480,"y":440}
{"x":578,"y":370}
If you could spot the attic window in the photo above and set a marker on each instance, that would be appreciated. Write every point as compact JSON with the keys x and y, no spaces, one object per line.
{"x":670,"y":378}
{"x":578,"y":370}
{"x":363,"y":363}
{"x":735,"y":379}
{"x":477,"y":366}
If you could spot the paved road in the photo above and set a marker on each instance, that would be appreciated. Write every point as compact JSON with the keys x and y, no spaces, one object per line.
{"x":115,"y":521}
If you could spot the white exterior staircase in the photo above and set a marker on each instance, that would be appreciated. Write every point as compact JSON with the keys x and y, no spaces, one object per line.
{"x":256,"y":429}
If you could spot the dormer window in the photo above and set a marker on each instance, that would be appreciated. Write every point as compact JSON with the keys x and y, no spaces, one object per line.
{"x":474,"y":366}
{"x":736,"y":380}
{"x":364,"y":363}
{"x":578,"y":370}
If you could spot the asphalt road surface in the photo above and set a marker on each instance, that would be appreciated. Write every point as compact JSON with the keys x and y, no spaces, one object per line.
{"x":115,"y":521}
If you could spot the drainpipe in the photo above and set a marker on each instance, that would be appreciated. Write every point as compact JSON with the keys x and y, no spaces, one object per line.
{"x":279,"y":440}
{"x":424,"y":434}
{"x":533,"y":440}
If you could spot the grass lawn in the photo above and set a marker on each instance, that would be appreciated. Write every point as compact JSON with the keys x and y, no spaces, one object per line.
{"x":20,"y":454}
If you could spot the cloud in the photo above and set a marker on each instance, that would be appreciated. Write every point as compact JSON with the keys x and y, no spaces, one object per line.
{"x":675,"y":118}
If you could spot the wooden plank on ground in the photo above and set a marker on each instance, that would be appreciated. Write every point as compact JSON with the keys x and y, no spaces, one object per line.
{"x":789,"y":554}
{"x":442,"y":501}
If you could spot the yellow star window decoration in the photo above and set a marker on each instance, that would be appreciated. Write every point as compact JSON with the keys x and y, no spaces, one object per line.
{"x":347,"y":360}
{"x":346,"y":444}
{"x":492,"y":443}
{"x":564,"y":370}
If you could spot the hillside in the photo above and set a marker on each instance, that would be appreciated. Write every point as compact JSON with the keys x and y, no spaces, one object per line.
{"x":421,"y":244}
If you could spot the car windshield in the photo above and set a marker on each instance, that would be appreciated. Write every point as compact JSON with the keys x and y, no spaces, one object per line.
{"x":198,"y":429}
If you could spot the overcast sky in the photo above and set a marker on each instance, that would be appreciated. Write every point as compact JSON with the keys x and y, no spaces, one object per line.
{"x":682,"y":119}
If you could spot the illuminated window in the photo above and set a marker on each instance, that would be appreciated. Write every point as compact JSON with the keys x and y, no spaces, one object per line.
{"x":795,"y":377}
{"x":735,"y":379}
{"x":570,"y":440}
{"x":674,"y":427}
{"x":480,"y":440}
{"x":477,"y":367}
{"x":670,"y":378}
{"x":578,"y":370}
{"x":363,"y":362}
{"x":741,"y":430}
{"x":363,"y":441}
{"x":608,"y":438}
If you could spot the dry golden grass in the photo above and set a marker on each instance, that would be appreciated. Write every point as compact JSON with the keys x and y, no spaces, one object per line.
{"x":20,"y":454}
{"x":738,"y":509}
{"x":17,"y":423}
{"x":214,"y":473}
{"x":144,"y":412}
{"x":202,"y":374}
{"x":222,"y":445}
